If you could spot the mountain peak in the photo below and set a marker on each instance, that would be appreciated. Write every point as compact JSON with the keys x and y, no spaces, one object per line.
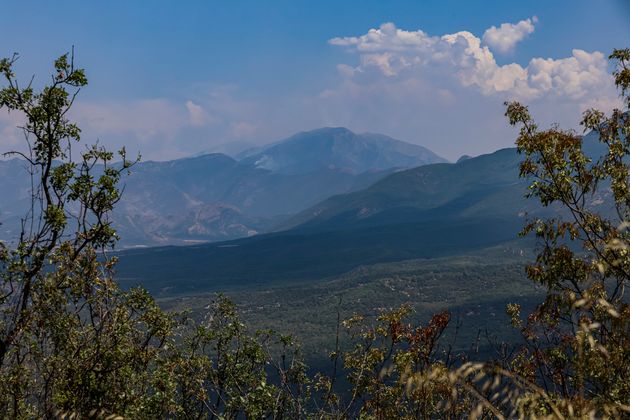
{"x":339,"y":148}
{"x":332,"y":130}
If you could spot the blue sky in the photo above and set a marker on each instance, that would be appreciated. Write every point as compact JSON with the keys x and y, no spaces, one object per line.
{"x":171,"y":79}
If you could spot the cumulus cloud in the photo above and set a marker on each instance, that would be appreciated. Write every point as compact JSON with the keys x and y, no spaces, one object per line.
{"x":504,"y":38}
{"x":398,"y":53}
{"x":446,"y":91}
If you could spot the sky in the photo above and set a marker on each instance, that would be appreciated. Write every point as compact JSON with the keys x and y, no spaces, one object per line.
{"x":171,"y":79}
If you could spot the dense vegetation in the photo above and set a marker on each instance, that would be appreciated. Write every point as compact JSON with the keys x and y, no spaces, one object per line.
{"x":294,"y":257}
{"x":73,"y":342}
{"x":475,"y":288}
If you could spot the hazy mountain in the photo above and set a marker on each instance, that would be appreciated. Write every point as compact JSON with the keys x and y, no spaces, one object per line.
{"x":432,"y":211}
{"x":481,"y":186}
{"x":484,"y":186}
{"x":340,"y":148}
{"x":435,"y":210}
{"x":215,"y":197}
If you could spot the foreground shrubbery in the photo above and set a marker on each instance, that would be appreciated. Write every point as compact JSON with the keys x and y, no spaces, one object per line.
{"x":73,"y":343}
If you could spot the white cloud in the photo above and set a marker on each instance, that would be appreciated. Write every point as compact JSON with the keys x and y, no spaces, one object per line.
{"x":400,"y":54}
{"x":447,"y":91}
{"x":583,"y":75}
{"x":387,"y":38}
{"x":504,"y":38}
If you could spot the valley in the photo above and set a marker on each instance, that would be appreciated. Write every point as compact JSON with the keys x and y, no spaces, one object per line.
{"x":474,"y":287}
{"x":438,"y":236}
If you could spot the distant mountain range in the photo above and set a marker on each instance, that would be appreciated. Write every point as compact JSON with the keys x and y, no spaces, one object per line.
{"x":431,"y":211}
{"x":484,"y":186}
{"x":434,"y":210}
{"x":215,"y":197}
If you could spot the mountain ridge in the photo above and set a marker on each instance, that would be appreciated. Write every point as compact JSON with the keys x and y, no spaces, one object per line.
{"x":421,"y":188}
{"x":215,"y":197}
{"x":434,"y":210}
{"x":437,"y":210}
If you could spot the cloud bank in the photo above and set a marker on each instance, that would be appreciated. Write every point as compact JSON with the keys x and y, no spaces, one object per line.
{"x":463,"y":57}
